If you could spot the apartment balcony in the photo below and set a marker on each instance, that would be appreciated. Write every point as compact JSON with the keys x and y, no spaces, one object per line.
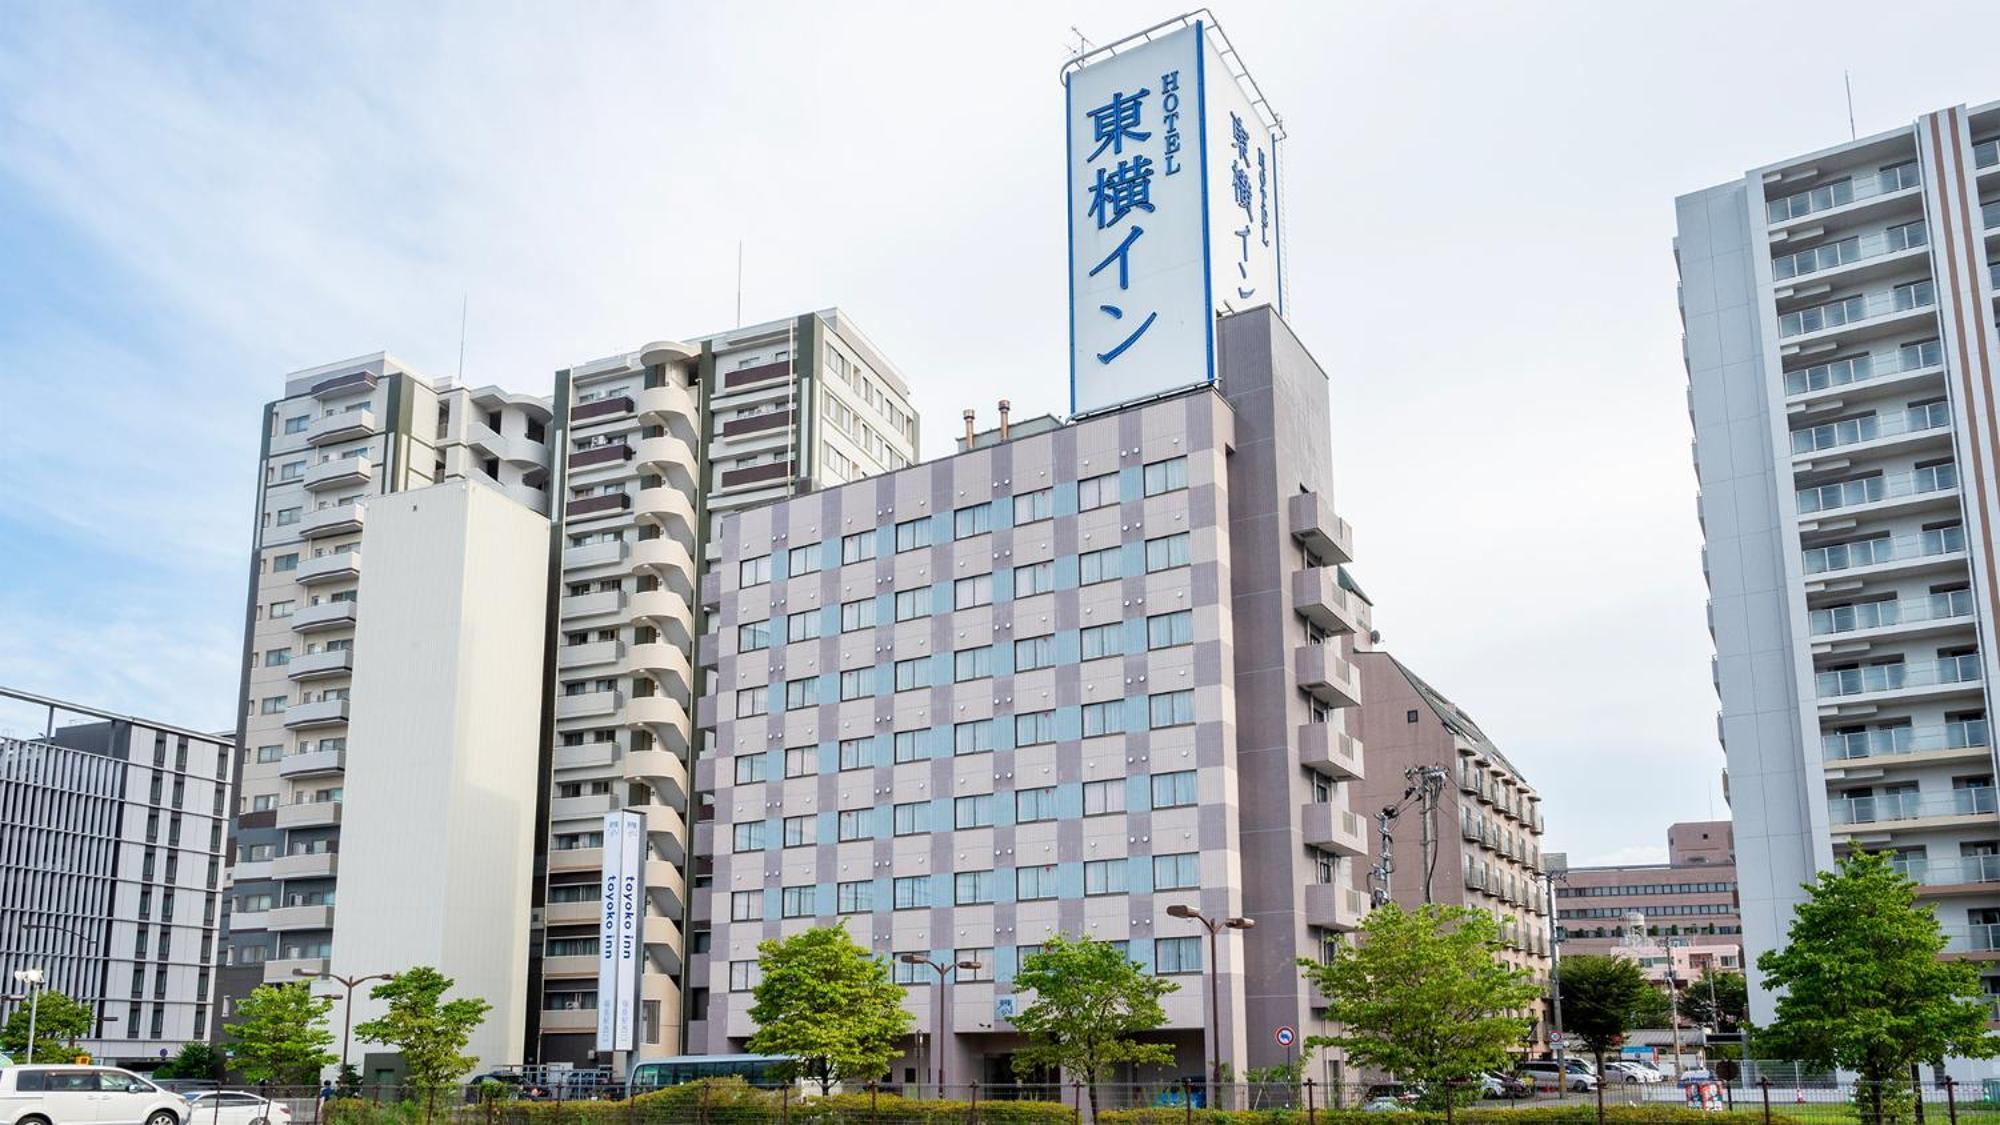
{"x":665,"y":772}
{"x":589,"y":655}
{"x":312,"y":763}
{"x":1933,"y":485}
{"x":1966,"y":739}
{"x":1904,"y":617}
{"x":318,"y":713}
{"x":671,"y":725}
{"x":306,"y":865}
{"x":286,"y":970}
{"x":318,"y":916}
{"x":308,"y":814}
{"x":570,"y":967}
{"x":592,"y":806}
{"x":599,"y":603}
{"x":321,"y":665}
{"x":591,"y":755}
{"x":1976,"y":942}
{"x":1851,"y":256}
{"x":590,"y":704}
{"x":1323,"y":675}
{"x":1319,"y":598}
{"x":1313,"y":523}
{"x":670,"y":405}
{"x":1951,"y":675}
{"x":337,"y":519}
{"x":607,"y":553}
{"x":1912,"y":809}
{"x":1333,"y":828}
{"x":249,"y":871}
{"x":1930,"y":550}
{"x":1858,"y":316}
{"x":1864,"y":189}
{"x":665,"y":662}
{"x":576,"y":859}
{"x":572,"y":913}
{"x":1909,"y":363}
{"x":344,"y":384}
{"x":1909,"y":426}
{"x":1325,"y":748}
{"x":324,"y":616}
{"x":671,"y":509}
{"x":345,"y":425}
{"x":1331,"y":906}
{"x":668,"y":831}
{"x":1969,"y":874}
{"x":666,"y":887}
{"x":669,"y":559}
{"x":668,"y":611}
{"x":600,"y":456}
{"x":568,"y":1021}
{"x":335,"y":566}
{"x":672,"y":457}
{"x":663,"y":941}
{"x":600,"y":410}
{"x":339,"y":472}
{"x":601,"y":504}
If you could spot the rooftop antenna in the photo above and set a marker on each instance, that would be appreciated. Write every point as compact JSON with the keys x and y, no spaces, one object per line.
{"x":739,"y":283}
{"x":1848,"y":81}
{"x":464,"y":301}
{"x":1082,"y":44}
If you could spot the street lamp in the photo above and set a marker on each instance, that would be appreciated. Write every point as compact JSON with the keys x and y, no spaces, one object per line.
{"x":31,"y":979}
{"x":346,"y":1005}
{"x":943,"y":970}
{"x":57,"y":927}
{"x":1213,"y":926}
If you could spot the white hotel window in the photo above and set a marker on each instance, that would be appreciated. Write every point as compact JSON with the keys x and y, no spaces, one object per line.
{"x":742,"y":976}
{"x":752,"y":701}
{"x":858,"y":547}
{"x":1100,"y":797}
{"x":1035,"y":882}
{"x":750,"y":769}
{"x":1034,"y":578}
{"x":1096,"y":492}
{"x":1180,"y":871}
{"x":1166,"y":476}
{"x":976,"y":590}
{"x":1029,"y":507}
{"x":1104,"y":877}
{"x":855,"y":898}
{"x":1176,"y":955}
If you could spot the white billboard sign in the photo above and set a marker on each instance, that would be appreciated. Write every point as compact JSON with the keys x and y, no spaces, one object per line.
{"x":1173,"y":214}
{"x":618,"y":942}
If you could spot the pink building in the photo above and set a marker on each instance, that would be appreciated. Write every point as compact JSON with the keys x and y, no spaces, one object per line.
{"x":1683,"y":911}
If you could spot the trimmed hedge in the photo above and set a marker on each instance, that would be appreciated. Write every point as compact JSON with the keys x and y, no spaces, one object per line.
{"x":1579,"y":1113}
{"x":722,"y":1101}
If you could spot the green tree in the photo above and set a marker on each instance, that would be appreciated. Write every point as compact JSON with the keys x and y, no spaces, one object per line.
{"x":429,"y":1031}
{"x":280,"y":1035}
{"x":1424,"y":995}
{"x":1089,"y":1002}
{"x":1719,"y":1000}
{"x":1652,"y":1009}
{"x":1599,"y":995}
{"x":59,"y":1022}
{"x":195,"y":1061}
{"x":829,"y":1004}
{"x":1861,"y":985}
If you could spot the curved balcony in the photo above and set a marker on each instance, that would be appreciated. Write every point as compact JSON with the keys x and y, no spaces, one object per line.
{"x":669,"y":509}
{"x":664,"y":945}
{"x":666,"y":886}
{"x":515,"y":449}
{"x":670,"y":457}
{"x":668,"y":611}
{"x":667,"y":663}
{"x":662,"y":770}
{"x":672,"y":406}
{"x":668,"y":559}
{"x":668,"y":831}
{"x":665,"y":718}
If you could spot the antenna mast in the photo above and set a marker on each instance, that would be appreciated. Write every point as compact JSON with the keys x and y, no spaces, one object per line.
{"x":1848,"y":82}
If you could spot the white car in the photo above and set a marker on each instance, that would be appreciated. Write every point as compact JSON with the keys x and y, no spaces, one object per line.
{"x":236,"y":1107}
{"x":1631,"y":1073}
{"x":97,"y":1095}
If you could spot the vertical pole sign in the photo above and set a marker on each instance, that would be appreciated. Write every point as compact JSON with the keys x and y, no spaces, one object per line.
{"x":618,"y":943}
{"x":1173,"y":211}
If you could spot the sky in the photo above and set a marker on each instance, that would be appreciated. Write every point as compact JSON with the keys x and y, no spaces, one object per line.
{"x":197,"y":199}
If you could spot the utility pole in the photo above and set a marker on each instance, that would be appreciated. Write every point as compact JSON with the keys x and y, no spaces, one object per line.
{"x":1548,"y":879}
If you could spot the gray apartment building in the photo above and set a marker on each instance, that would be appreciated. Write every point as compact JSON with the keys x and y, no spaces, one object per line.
{"x":1841,"y":349}
{"x":1059,"y":682}
{"x":111,"y":871}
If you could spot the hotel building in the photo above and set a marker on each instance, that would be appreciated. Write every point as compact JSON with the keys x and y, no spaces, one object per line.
{"x":1059,"y":682}
{"x":1683,"y":909}
{"x":1841,"y":350}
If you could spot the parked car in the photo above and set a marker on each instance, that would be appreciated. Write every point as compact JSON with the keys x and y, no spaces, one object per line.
{"x":1384,"y":1105}
{"x":1402,"y":1092}
{"x":1631,"y":1073}
{"x":235,"y":1107}
{"x":1579,"y":1077}
{"x":99,"y":1095}
{"x":1493,"y":1085}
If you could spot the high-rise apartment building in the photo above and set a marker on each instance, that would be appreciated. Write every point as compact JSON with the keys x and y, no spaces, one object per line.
{"x":1841,"y":354}
{"x":653,"y":444}
{"x":1487,"y":843}
{"x":1059,"y":682}
{"x":112,"y":872}
{"x":534,"y":672}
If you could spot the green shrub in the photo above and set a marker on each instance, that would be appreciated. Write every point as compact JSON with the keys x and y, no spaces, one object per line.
{"x":1576,"y":1113}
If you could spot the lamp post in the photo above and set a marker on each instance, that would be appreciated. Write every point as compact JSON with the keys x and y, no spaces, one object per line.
{"x":349,"y":984}
{"x":57,"y":927}
{"x":1549,"y":879}
{"x":1214,"y":969}
{"x":943,"y":970}
{"x":31,"y":979}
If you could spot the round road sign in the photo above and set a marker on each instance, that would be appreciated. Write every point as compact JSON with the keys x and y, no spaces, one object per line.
{"x":1286,"y":1036}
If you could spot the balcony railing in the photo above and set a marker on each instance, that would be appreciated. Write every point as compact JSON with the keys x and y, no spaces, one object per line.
{"x":1861,"y":368}
{"x":1847,"y":251}
{"x":1876,"y":552}
{"x":1841,"y":193}
{"x":1897,"y":676}
{"x":1962,"y":734}
{"x":1945,"y":606}
{"x":1910,"y":805}
{"x":1870,"y":490}
{"x":1950,"y":872}
{"x":1860,"y":307}
{"x":1854,"y":431}
{"x":1976,"y":938}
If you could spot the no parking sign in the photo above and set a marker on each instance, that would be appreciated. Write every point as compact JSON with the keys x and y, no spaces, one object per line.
{"x":1286,"y":1035}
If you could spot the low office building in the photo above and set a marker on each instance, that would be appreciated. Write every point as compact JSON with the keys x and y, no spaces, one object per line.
{"x":111,"y":872}
{"x":1063,"y":681}
{"x":1682,"y":912}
